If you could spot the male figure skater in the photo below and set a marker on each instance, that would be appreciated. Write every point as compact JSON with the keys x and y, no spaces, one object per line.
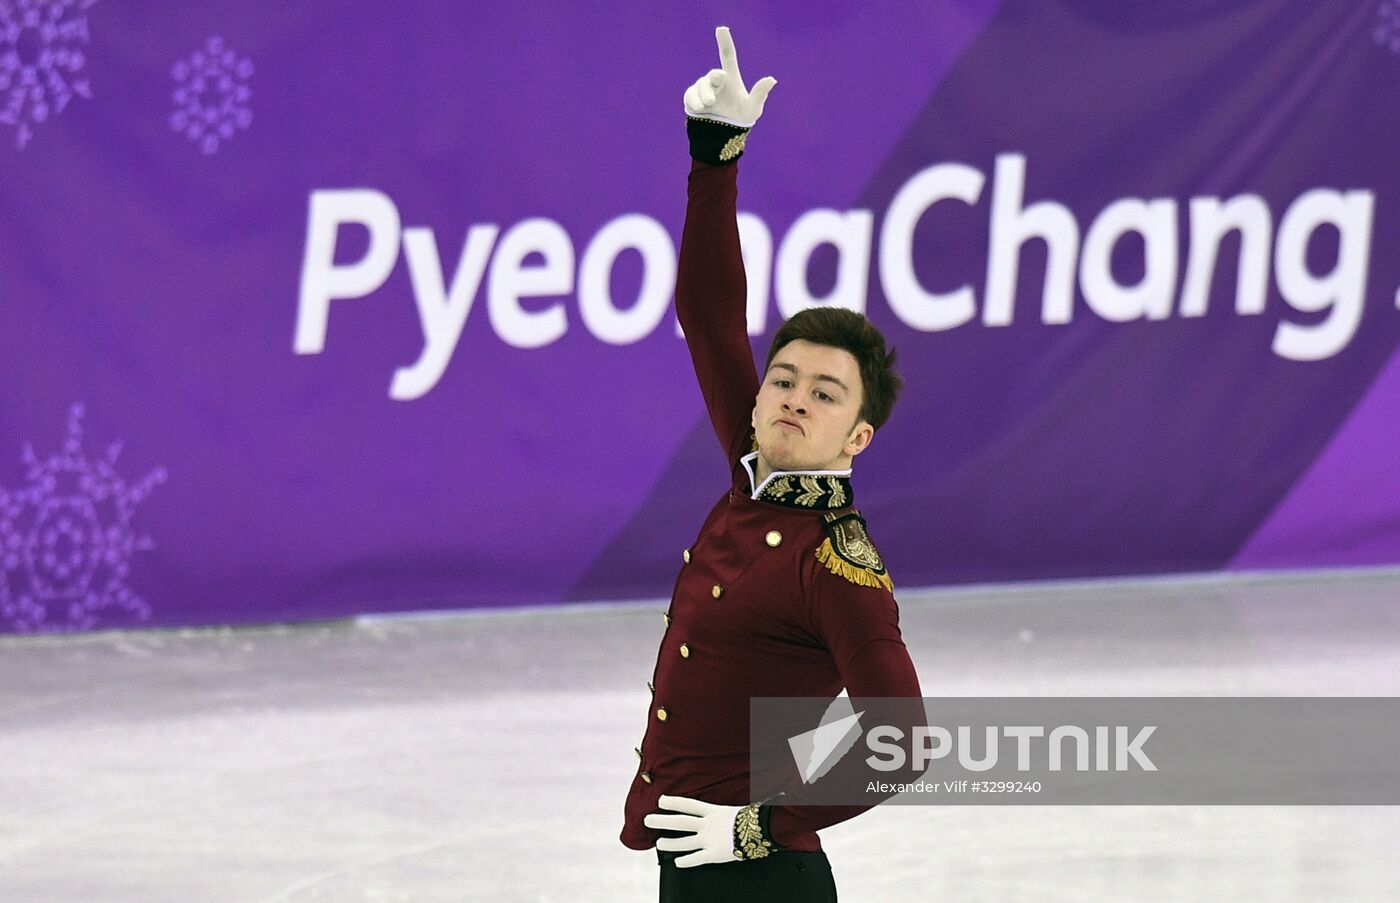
{"x":782,"y":594}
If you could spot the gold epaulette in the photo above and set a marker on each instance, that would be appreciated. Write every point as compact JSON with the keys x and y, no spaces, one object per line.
{"x":848,"y":552}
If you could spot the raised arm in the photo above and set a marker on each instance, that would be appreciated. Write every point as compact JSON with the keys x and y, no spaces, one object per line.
{"x":711,"y":291}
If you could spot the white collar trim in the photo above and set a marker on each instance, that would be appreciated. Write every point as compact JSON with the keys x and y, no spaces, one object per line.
{"x":748,"y":462}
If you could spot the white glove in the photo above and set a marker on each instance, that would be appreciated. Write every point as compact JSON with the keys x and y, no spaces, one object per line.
{"x":712,"y":827}
{"x":720,"y":93}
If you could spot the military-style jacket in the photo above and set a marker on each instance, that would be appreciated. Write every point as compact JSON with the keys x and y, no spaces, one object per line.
{"x":782,"y":593}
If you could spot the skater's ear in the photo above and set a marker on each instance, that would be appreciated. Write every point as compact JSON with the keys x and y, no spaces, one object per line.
{"x":861,"y":435}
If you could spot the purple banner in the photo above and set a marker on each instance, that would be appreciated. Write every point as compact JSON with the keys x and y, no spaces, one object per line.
{"x":333,"y":307}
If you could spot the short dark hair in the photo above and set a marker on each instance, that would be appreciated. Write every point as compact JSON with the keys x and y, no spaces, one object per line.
{"x":837,"y":327}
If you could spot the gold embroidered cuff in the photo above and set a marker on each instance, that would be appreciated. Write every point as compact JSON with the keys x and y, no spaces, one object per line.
{"x":750,"y":840}
{"x":715,"y":143}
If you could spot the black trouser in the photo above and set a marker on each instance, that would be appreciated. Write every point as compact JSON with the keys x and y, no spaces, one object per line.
{"x":781,"y":876}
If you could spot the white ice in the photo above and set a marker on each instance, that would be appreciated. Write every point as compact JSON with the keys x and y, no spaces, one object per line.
{"x":486,"y":756}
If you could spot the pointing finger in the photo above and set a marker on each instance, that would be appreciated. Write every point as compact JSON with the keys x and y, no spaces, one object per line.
{"x":728,"y":56}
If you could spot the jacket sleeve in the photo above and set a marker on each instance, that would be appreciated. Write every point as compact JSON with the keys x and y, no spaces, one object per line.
{"x":712,"y":301}
{"x":860,"y":625}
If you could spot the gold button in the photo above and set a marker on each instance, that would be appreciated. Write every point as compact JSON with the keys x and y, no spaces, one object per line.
{"x":686,"y":556}
{"x":662,"y":714}
{"x":717,"y":591}
{"x":638,"y":751}
{"x":774,"y":538}
{"x":646,"y":776}
{"x":685,"y":651}
{"x":666,"y":616}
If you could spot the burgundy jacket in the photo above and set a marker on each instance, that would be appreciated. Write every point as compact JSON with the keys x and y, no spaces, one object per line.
{"x":781,"y":594}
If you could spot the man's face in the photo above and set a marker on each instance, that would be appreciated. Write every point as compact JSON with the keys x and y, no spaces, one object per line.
{"x":806,"y":416}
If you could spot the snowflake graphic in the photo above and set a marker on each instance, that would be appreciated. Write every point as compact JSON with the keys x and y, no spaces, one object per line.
{"x":41,"y":61}
{"x":66,"y":540}
{"x":211,"y":95}
{"x":1387,"y":30}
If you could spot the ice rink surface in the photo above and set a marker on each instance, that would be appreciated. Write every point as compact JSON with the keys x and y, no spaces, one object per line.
{"x":486,"y":756}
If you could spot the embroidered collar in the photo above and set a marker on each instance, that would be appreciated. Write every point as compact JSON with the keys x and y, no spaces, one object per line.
{"x":812,"y":490}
